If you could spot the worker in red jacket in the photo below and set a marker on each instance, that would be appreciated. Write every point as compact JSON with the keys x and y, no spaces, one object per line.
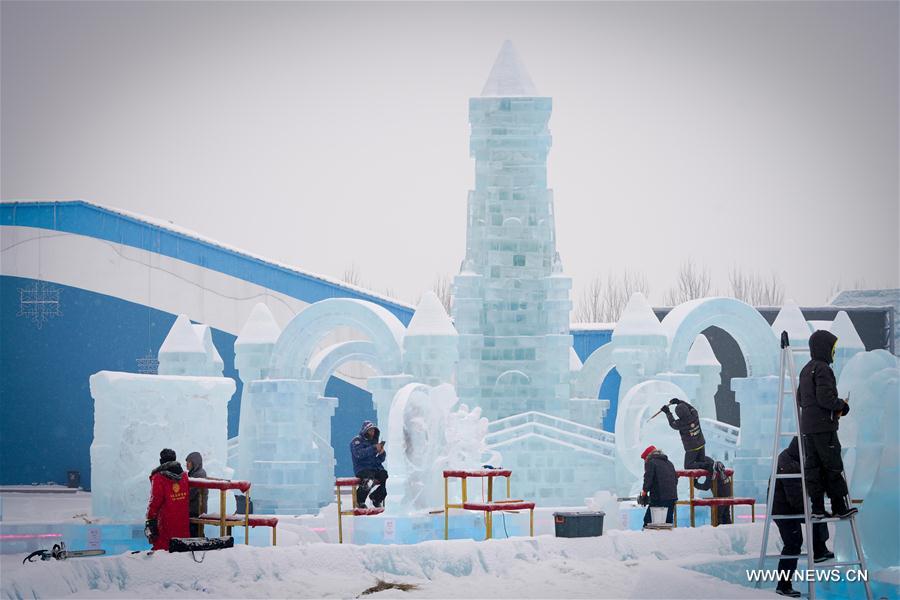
{"x":167,"y":513}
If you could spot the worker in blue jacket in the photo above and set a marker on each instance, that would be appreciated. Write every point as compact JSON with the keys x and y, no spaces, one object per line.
{"x":368,"y":457}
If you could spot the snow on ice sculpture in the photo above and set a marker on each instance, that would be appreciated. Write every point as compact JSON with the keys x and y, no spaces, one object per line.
{"x":426,"y":438}
{"x":511,"y":302}
{"x":635,"y":431}
{"x":136,"y":416}
{"x":849,"y":343}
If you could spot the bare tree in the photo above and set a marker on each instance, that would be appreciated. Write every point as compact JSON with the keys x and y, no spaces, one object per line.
{"x":603,"y":302}
{"x":693,"y":282}
{"x":443,"y":289}
{"x":352,"y":275}
{"x":755,"y":290}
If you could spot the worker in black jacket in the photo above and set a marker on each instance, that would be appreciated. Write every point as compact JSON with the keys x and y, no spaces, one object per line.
{"x":820,"y":410}
{"x":660,"y":483}
{"x":788,"y":500}
{"x":688,"y":425}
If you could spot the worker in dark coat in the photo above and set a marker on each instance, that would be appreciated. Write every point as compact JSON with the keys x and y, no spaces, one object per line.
{"x":199,"y":496}
{"x":687,"y":422}
{"x":368,"y":457}
{"x":167,"y":511}
{"x":660,"y":486}
{"x":820,"y":411}
{"x":788,"y":500}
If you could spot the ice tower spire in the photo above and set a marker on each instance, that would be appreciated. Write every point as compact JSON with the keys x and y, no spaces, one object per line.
{"x":511,"y":302}
{"x":508,"y":78}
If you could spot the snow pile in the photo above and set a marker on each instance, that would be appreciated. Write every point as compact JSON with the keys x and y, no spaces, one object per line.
{"x":617,"y":565}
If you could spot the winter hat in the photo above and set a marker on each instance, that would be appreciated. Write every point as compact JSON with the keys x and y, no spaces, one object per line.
{"x":647,"y":452}
{"x":167,"y":455}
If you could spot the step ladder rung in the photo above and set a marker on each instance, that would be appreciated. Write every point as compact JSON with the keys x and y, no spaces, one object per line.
{"x":788,"y":476}
{"x":789,"y":433}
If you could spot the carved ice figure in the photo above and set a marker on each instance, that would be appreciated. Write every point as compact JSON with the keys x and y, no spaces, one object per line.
{"x":425,"y":438}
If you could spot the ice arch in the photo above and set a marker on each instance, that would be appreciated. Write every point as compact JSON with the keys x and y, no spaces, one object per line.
{"x":328,"y":360}
{"x":740,"y":320}
{"x":597,"y":366}
{"x":293,"y":352}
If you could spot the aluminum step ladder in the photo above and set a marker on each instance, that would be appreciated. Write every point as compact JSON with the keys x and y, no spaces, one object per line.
{"x":788,"y":377}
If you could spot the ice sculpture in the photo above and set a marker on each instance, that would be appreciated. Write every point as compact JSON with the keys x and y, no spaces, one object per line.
{"x":791,"y":319}
{"x":285,"y":446}
{"x":136,"y":416}
{"x":431,"y":344}
{"x":426,"y":438}
{"x":511,"y":302}
{"x":640,"y":344}
{"x":872,"y":379}
{"x":635,"y":431}
{"x":849,"y":343}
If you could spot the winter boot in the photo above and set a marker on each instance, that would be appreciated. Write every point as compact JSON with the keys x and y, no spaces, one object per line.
{"x":842,"y":509}
{"x":826,"y":555}
{"x":785,"y":589}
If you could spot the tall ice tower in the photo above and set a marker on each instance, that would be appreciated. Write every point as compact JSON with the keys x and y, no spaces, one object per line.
{"x":511,"y":300}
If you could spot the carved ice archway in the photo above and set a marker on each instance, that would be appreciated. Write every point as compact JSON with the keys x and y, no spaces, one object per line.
{"x":745,"y":324}
{"x":294,"y":351}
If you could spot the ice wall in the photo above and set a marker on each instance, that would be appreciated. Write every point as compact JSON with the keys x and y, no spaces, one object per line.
{"x":185,"y":408}
{"x":431,"y":343}
{"x":136,"y":416}
{"x":872,"y":457}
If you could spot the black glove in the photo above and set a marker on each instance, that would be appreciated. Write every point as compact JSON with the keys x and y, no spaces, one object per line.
{"x":665,"y":408}
{"x":151,"y":531}
{"x":674,"y":401}
{"x":846,"y":409}
{"x":643,"y":500}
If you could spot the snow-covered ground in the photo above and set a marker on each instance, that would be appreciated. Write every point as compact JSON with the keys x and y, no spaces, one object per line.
{"x":621,"y":564}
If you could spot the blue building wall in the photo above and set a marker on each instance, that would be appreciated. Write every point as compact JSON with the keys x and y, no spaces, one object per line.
{"x":47,"y":422}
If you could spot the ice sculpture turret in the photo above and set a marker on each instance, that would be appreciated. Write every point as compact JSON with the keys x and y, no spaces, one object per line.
{"x":849,"y":343}
{"x":702,"y":361}
{"x":511,"y":301}
{"x":183,"y":352}
{"x":640,"y":343}
{"x":214,"y":363}
{"x":431,"y":343}
{"x":790,"y":318}
{"x":254,"y":344}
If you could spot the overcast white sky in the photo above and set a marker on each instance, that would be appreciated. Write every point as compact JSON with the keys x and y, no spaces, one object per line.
{"x":763,"y":135}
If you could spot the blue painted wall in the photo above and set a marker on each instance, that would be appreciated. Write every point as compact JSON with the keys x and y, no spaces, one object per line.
{"x":47,"y":422}
{"x":87,"y":219}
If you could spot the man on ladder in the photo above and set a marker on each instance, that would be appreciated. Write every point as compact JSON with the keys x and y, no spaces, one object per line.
{"x":820,"y":410}
{"x":816,"y":409}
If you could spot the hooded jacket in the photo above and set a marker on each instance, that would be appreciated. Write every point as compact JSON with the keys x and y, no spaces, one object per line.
{"x":168,"y":504}
{"x":817,"y":389}
{"x":363,"y":452}
{"x":788,"y":499}
{"x":687,"y":424}
{"x":199,"y":496}
{"x":660,"y":480}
